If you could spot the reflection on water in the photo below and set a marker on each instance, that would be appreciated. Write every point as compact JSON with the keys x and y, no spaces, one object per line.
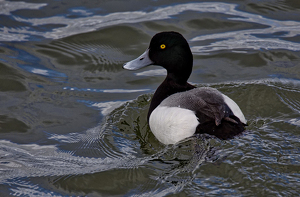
{"x":73,"y":122}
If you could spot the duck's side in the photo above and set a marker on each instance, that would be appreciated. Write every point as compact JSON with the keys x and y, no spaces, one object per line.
{"x":199,"y":110}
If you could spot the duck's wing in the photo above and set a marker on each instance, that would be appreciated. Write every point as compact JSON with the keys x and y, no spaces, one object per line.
{"x":207,"y":103}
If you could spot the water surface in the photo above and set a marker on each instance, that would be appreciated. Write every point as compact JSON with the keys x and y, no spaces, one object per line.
{"x":73,"y":122}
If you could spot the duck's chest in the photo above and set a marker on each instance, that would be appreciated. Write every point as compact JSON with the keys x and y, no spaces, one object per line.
{"x":172,"y":124}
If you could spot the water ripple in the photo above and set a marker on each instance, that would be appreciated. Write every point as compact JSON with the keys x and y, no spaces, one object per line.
{"x":105,"y":90}
{"x":233,"y":40}
{"x":123,"y":144}
{"x":7,"y":7}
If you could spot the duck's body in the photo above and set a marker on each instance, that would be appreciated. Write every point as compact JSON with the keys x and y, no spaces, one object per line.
{"x":179,"y":109}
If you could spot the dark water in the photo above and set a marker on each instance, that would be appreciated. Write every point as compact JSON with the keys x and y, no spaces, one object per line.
{"x":73,"y":122}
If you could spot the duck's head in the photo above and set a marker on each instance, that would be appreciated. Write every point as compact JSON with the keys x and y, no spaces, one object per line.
{"x":169,"y":50}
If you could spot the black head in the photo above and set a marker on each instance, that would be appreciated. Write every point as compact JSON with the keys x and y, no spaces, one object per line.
{"x":169,"y":50}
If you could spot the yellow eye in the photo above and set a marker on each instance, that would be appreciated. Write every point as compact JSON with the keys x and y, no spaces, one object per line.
{"x":163,"y":46}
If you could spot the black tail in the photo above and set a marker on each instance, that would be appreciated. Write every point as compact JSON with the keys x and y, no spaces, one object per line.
{"x":226,"y":130}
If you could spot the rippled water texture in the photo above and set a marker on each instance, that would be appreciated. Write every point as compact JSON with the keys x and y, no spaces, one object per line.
{"x":73,"y":122}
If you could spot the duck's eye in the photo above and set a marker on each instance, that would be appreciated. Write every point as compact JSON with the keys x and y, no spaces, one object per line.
{"x":162,"y":46}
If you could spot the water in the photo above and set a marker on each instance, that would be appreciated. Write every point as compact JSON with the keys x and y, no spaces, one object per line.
{"x":73,"y":122}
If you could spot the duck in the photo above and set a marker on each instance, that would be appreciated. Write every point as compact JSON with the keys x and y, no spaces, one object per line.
{"x":178,"y":109}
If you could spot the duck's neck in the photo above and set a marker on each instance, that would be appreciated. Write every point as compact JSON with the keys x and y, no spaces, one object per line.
{"x":168,"y":87}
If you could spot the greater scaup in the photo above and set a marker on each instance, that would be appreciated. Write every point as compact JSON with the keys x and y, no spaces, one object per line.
{"x":179,"y":109}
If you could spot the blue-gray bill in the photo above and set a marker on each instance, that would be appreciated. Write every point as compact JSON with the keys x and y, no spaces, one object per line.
{"x":140,"y":62}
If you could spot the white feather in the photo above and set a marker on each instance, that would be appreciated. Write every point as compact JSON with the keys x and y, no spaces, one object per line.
{"x":235,"y":108}
{"x":172,"y":124}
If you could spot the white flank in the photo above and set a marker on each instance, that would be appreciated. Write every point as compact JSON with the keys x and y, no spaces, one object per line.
{"x":235,"y":108}
{"x":172,"y":124}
